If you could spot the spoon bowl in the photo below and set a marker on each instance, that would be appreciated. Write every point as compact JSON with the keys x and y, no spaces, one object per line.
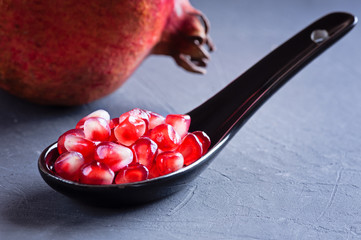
{"x":122,"y":194}
{"x":220,"y":117}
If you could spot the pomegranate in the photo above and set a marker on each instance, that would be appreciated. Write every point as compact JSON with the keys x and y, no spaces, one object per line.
{"x":68,"y":165}
{"x":101,"y":150}
{"x":155,"y":119}
{"x":179,"y":122}
{"x":97,"y":129}
{"x":190,"y":148}
{"x":96,"y":173}
{"x":128,"y":131}
{"x":99,"y":113}
{"x":73,"y":141}
{"x":145,"y":151}
{"x":204,"y":139}
{"x":69,"y":52}
{"x":64,"y":136}
{"x":168,"y":162}
{"x":132,"y":173}
{"x":114,"y":155}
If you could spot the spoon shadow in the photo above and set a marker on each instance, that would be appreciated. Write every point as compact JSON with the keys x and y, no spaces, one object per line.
{"x":44,"y":207}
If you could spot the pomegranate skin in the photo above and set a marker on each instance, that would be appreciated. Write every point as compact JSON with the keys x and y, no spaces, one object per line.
{"x":71,"y":52}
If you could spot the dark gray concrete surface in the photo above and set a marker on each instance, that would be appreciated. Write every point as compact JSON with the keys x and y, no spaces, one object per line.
{"x":292,"y":172}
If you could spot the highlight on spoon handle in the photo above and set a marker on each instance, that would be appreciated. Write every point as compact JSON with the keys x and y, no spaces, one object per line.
{"x":222,"y":115}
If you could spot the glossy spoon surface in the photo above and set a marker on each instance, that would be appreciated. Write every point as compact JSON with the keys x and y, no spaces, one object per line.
{"x":220,"y":117}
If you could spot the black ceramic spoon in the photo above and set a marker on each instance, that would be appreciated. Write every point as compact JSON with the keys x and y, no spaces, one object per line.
{"x":220,"y":117}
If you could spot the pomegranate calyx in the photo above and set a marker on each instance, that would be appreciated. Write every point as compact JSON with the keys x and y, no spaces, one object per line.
{"x":185,"y":37}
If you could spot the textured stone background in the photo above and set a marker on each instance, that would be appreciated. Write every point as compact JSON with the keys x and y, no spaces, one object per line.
{"x":292,"y":172}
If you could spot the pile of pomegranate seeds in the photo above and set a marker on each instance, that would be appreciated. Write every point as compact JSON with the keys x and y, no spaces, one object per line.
{"x":137,"y":146}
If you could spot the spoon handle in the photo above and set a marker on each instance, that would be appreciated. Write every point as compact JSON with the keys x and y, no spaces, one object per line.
{"x":222,"y":115}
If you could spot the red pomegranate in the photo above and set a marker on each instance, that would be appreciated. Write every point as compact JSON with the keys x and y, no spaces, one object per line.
{"x":69,"y":52}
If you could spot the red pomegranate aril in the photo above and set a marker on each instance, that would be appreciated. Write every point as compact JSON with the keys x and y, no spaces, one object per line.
{"x":96,"y":173}
{"x":96,"y":129}
{"x":112,"y":137}
{"x":138,"y":145}
{"x":190,"y":148}
{"x":137,"y":113}
{"x":155,"y":119}
{"x":153,"y":172}
{"x":168,"y":162}
{"x":61,"y":139}
{"x":145,"y":150}
{"x":68,"y":165}
{"x":79,"y":144}
{"x":204,"y":139}
{"x":147,"y":133}
{"x":179,"y":122}
{"x":128,"y":131}
{"x":98,"y":113}
{"x":132,"y":173}
{"x":115,"y":156}
{"x":165,"y":137}
{"x":113,"y":123}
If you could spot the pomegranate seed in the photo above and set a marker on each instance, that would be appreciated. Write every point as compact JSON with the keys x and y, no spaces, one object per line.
{"x":155,"y":119}
{"x":137,"y":113}
{"x":145,"y":150}
{"x":204,"y":139}
{"x":96,"y":129}
{"x":96,"y":173}
{"x":165,"y":137}
{"x":114,"y":155}
{"x":132,"y":173}
{"x":99,"y":113}
{"x":168,"y":162}
{"x":128,"y":131}
{"x":179,"y":122}
{"x":84,"y":146}
{"x":190,"y":148}
{"x":113,"y":123}
{"x":138,"y":145}
{"x":147,"y":133}
{"x":153,"y":172}
{"x":112,"y":137}
{"x":61,"y":140}
{"x":68,"y":165}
